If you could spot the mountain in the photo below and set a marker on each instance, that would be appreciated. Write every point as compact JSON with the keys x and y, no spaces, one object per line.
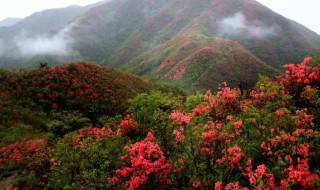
{"x":146,"y":36}
{"x":43,"y":22}
{"x":193,"y":43}
{"x":38,"y":37}
{"x":9,"y":21}
{"x":125,"y":29}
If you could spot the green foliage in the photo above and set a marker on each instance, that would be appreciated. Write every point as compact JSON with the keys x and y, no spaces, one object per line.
{"x":16,"y":133}
{"x":193,"y":101}
{"x":145,"y":105}
{"x":13,"y":114}
{"x":66,"y":121}
{"x":85,"y":167}
{"x":109,"y":122}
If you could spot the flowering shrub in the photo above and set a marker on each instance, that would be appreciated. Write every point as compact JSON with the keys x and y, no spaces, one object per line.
{"x":147,"y":165}
{"x":267,"y":138}
{"x":22,"y":152}
{"x":128,"y":125}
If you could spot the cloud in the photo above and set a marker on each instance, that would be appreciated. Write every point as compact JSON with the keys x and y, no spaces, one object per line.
{"x":238,"y":24}
{"x":59,"y":44}
{"x":235,"y":22}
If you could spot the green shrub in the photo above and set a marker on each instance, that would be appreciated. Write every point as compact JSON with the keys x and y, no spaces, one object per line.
{"x":145,"y":105}
{"x":66,"y":121}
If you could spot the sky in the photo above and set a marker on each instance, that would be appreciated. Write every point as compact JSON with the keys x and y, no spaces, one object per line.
{"x":24,"y":8}
{"x":305,"y":12}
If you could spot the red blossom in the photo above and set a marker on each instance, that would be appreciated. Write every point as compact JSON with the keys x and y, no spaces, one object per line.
{"x":195,"y":183}
{"x":235,"y":154}
{"x":95,"y":133}
{"x":127,"y":126}
{"x":180,"y":118}
{"x":227,"y":96}
{"x":300,"y":174}
{"x":229,"y":117}
{"x":218,"y":185}
{"x":237,"y":126}
{"x":279,"y":112}
{"x":179,"y":135}
{"x":22,"y":152}
{"x":145,"y":158}
{"x":54,"y":106}
{"x":234,"y":186}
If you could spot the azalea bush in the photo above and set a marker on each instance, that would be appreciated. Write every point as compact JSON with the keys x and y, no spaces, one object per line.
{"x":265,"y":138}
{"x":90,"y":89}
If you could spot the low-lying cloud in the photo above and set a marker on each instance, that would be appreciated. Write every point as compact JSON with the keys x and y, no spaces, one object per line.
{"x":238,"y":24}
{"x":59,"y":44}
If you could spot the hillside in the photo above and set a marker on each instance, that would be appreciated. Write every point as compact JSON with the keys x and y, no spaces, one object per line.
{"x":91,"y":90}
{"x":199,"y":63}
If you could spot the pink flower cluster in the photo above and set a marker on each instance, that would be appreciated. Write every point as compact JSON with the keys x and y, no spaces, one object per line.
{"x":146,"y":162}
{"x":180,"y":118}
{"x":299,"y":174}
{"x":235,"y":154}
{"x":302,"y":73}
{"x":227,"y":96}
{"x":259,"y":174}
{"x":95,"y":133}
{"x":179,"y":135}
{"x":235,"y":186}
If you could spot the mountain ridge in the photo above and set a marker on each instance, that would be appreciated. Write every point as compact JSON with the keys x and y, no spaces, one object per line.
{"x":9,"y":21}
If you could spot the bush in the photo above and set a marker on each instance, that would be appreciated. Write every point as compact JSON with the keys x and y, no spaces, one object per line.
{"x":65,"y":122}
{"x":144,"y":105}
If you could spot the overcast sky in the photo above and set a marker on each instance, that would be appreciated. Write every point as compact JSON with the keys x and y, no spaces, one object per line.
{"x":23,"y":8}
{"x":306,"y":12}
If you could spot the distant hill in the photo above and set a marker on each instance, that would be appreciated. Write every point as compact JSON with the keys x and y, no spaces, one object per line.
{"x":9,"y":21}
{"x":51,"y":20}
{"x":37,"y":37}
{"x":200,"y":63}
